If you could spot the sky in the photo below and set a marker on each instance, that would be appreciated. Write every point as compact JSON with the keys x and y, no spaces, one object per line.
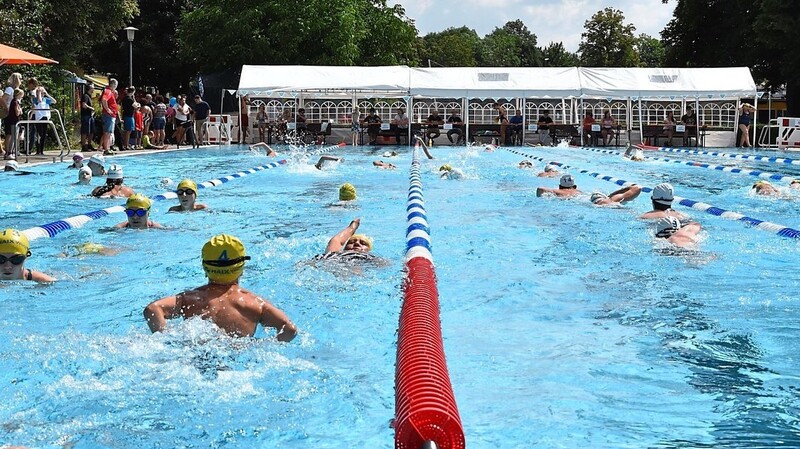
{"x":549,"y":20}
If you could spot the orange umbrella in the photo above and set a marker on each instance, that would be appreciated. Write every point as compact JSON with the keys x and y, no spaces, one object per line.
{"x":15,"y":56}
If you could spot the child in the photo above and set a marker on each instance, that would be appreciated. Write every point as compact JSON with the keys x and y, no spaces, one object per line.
{"x":138,"y":119}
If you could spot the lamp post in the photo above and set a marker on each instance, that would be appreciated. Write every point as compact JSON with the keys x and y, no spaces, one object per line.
{"x":131,"y":31}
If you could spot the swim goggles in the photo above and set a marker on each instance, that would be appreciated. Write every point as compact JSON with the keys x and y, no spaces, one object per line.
{"x":181,"y":192}
{"x":137,"y":212}
{"x":16,"y":259}
{"x":225,"y":263}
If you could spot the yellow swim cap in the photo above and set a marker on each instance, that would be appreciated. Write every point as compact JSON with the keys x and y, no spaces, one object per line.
{"x":445,"y":167}
{"x":361,"y":237}
{"x":188,"y":184}
{"x":223,"y":259}
{"x":347,"y":192}
{"x":138,"y":201}
{"x":14,"y":242}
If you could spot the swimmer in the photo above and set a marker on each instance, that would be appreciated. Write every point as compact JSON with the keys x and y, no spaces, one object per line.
{"x":347,"y":192}
{"x":764,"y":188}
{"x":325,"y":158}
{"x":349,"y":246}
{"x":489,"y":147}
{"x":11,"y":165}
{"x":222,"y":301}
{"x":424,"y":147}
{"x":187,"y":195}
{"x":670,"y":228}
{"x":88,"y":248}
{"x":137,"y":208}
{"x":616,"y":198}
{"x":77,"y":161}
{"x":97,"y":163}
{"x":795,"y":184}
{"x":386,"y":165}
{"x":566,"y":188}
{"x":270,"y":151}
{"x":661,"y":198}
{"x":389,"y":153}
{"x":446,"y":171}
{"x":525,"y":164}
{"x":633,"y":153}
{"x":550,"y":171}
{"x":114,"y":185}
{"x":14,"y":251}
{"x":85,"y":175}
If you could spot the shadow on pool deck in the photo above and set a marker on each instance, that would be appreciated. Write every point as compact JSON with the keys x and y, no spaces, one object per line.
{"x":52,"y":156}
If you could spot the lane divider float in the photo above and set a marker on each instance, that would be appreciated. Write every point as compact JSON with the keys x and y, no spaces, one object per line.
{"x":747,"y":157}
{"x":777,"y":229}
{"x":54,"y":228}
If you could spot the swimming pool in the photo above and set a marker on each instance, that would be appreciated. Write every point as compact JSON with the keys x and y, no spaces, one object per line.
{"x":564,"y":325}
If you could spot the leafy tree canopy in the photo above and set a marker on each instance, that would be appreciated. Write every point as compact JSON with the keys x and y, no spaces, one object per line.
{"x":608,"y":41}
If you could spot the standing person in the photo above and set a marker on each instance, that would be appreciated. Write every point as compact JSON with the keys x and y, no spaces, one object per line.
{"x":159,"y":121}
{"x":201,"y":111}
{"x":244,"y":118}
{"x":744,"y":124}
{"x":373,"y":122}
{"x":669,"y":126}
{"x":147,"y":114}
{"x":544,"y":123}
{"x":14,"y":82}
{"x":401,"y":125}
{"x":457,"y":122}
{"x":10,"y":123}
{"x":502,"y":119}
{"x":87,"y":119}
{"x":128,"y":120}
{"x":41,"y":107}
{"x":355,"y":126}
{"x":138,"y":120}
{"x":182,"y":112}
{"x":108,"y":102}
{"x":607,"y":131}
{"x":236,"y":311}
{"x":261,"y":119}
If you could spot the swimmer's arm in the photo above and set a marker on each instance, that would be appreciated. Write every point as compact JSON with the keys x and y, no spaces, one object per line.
{"x":154,"y":225}
{"x":542,"y":190}
{"x":174,"y":209}
{"x":158,"y":312}
{"x":38,"y":276}
{"x":626,"y":193}
{"x":424,"y":147}
{"x":338,"y":241}
{"x":122,"y":225}
{"x":273,"y":317}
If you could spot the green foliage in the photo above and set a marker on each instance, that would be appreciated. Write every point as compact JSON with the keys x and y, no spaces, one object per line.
{"x":608,"y":42}
{"x":651,"y":51}
{"x":778,"y":58}
{"x":453,"y":47}
{"x":555,"y":55}
{"x":500,"y":49}
{"x":529,"y":54}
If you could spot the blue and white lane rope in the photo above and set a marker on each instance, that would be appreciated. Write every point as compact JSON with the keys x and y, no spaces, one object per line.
{"x":777,"y":229}
{"x":746,"y":157}
{"x":418,"y":234}
{"x":722,"y":168}
{"x":78,"y":221}
{"x":326,"y":149}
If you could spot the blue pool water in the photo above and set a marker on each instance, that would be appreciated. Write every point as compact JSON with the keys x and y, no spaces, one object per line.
{"x":565,"y":325}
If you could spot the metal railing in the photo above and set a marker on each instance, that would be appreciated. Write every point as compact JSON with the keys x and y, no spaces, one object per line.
{"x":50,"y":122}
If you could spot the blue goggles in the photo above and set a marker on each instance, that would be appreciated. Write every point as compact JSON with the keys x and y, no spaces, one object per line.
{"x":137,"y":212}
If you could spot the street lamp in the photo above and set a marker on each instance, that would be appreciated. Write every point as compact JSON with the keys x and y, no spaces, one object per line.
{"x":131,"y":31}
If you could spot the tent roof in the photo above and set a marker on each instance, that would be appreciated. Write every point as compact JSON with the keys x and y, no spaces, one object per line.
{"x":15,"y":56}
{"x":496,"y":82}
{"x":335,"y":81}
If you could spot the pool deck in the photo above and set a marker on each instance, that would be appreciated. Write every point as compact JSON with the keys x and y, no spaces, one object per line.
{"x":51,"y":157}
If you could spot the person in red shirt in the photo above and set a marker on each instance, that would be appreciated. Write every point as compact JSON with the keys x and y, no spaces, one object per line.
{"x":138,"y":119}
{"x":110,"y":112}
{"x":588,"y":121}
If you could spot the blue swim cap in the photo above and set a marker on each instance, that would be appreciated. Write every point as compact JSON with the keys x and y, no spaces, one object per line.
{"x":173,"y":101}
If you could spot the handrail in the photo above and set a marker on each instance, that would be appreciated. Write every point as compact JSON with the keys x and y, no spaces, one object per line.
{"x":31,"y":121}
{"x":766,"y":134}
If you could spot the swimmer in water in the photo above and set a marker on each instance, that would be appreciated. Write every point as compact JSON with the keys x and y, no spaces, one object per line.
{"x":327,"y":158}
{"x":446,"y":171}
{"x":222,"y":301}
{"x":617,"y":197}
{"x":550,"y":171}
{"x":85,"y":175}
{"x":525,"y":164}
{"x":795,"y":184}
{"x":424,"y":147}
{"x":764,"y":188}
{"x":97,"y":163}
{"x":14,"y":251}
{"x":114,"y":187}
{"x":684,"y":236}
{"x":662,"y":197}
{"x":347,"y":192}
{"x":386,"y":165}
{"x":566,"y":188}
{"x":187,"y":195}
{"x":77,"y":161}
{"x":138,"y":210}
{"x":633,"y":153}
{"x":270,"y":151}
{"x":348,"y":246}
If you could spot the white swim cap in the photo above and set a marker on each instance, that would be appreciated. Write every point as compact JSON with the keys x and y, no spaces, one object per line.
{"x":567,"y":182}
{"x":114,"y":172}
{"x":77,"y":157}
{"x":666,"y":226}
{"x":550,"y":168}
{"x":11,"y":165}
{"x":597,"y":196}
{"x":85,"y":174}
{"x":662,"y":194}
{"x":98,"y":159}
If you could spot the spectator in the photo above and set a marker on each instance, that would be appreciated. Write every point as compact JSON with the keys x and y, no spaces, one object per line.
{"x":10,"y":122}
{"x":588,"y":121}
{"x":147,"y":114}
{"x":147,"y":142}
{"x":169,"y":129}
{"x":14,"y":81}
{"x":108,"y":102}
{"x":544,"y":123}
{"x":244,"y":118}
{"x":457,"y":122}
{"x":515,"y":131}
{"x":201,"y":111}
{"x":138,"y":119}
{"x":355,"y":125}
{"x":182,"y":112}
{"x":433,"y":122}
{"x":669,"y":126}
{"x":690,"y":120}
{"x":261,"y":119}
{"x":502,"y":119}
{"x":300,"y":119}
{"x":128,"y":121}
{"x":744,"y":124}
{"x":87,"y":119}
{"x":401,"y":125}
{"x":607,"y":124}
{"x":373,"y":122}
{"x":159,"y":121}
{"x":41,"y":106}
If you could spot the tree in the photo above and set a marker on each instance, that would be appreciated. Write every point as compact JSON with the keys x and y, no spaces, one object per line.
{"x":499,"y":49}
{"x":453,"y":47}
{"x":530,"y":55}
{"x":555,"y":55}
{"x":607,"y":41}
{"x":651,"y":51}
{"x":778,"y":59}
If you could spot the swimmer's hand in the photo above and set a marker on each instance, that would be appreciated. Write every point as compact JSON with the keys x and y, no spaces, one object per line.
{"x":355,"y":223}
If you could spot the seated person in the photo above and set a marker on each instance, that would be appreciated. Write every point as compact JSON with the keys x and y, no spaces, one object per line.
{"x":515,"y":129}
{"x":348,"y":246}
{"x":114,"y":185}
{"x":669,"y":126}
{"x":566,"y":188}
{"x":588,"y":121}
{"x":765,"y":188}
{"x":300,"y":120}
{"x":446,"y":171}
{"x":684,"y":236}
{"x":607,"y":127}
{"x":187,"y":195}
{"x":550,"y":171}
{"x":15,"y":249}
{"x":617,"y":197}
{"x":236,"y":311}
{"x":544,"y":123}
{"x":401,"y":125}
{"x":373,"y":123}
{"x":662,"y":197}
{"x":381,"y":164}
{"x":270,"y":151}
{"x":147,"y":143}
{"x":137,"y":208}
{"x":457,"y":122}
{"x":433,"y":122}
{"x":690,"y":120}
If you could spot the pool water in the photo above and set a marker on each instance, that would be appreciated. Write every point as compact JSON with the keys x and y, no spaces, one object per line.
{"x":565,"y":325}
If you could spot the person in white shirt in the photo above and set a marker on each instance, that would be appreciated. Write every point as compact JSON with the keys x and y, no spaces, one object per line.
{"x":182,"y":122}
{"x":41,"y":106}
{"x":401,"y":123}
{"x":14,"y":81}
